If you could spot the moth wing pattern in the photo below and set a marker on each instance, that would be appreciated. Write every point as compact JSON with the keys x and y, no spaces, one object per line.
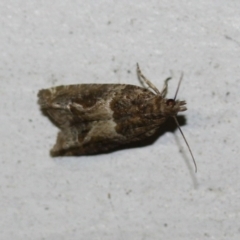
{"x":96,"y":118}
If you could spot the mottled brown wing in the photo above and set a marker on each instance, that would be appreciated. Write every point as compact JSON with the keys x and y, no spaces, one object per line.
{"x":68,"y":105}
{"x":97,"y":118}
{"x":95,"y":137}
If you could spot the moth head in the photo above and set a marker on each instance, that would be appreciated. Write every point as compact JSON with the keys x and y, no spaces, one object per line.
{"x":172,"y":107}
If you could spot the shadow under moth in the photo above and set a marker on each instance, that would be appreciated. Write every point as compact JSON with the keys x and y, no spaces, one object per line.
{"x":96,"y":118}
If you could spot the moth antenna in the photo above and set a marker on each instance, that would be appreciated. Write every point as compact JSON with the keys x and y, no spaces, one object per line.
{"x":165,"y":87}
{"x":186,"y":143}
{"x":179,"y":83}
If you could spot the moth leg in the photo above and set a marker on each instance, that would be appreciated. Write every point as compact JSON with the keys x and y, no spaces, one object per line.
{"x":142,"y":78}
{"x":165,"y":88}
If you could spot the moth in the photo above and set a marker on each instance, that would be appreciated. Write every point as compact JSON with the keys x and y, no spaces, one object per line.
{"x":96,"y":118}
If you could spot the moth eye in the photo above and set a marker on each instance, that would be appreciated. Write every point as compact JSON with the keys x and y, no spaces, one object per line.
{"x":170,"y":102}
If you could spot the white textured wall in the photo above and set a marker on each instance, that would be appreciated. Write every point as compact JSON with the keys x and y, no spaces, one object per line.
{"x":142,"y":193}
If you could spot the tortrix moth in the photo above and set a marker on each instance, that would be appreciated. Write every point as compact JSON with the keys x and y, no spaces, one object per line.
{"x":96,"y":118}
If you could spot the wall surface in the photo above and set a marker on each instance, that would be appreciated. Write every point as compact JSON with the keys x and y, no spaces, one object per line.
{"x":146,"y":192}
